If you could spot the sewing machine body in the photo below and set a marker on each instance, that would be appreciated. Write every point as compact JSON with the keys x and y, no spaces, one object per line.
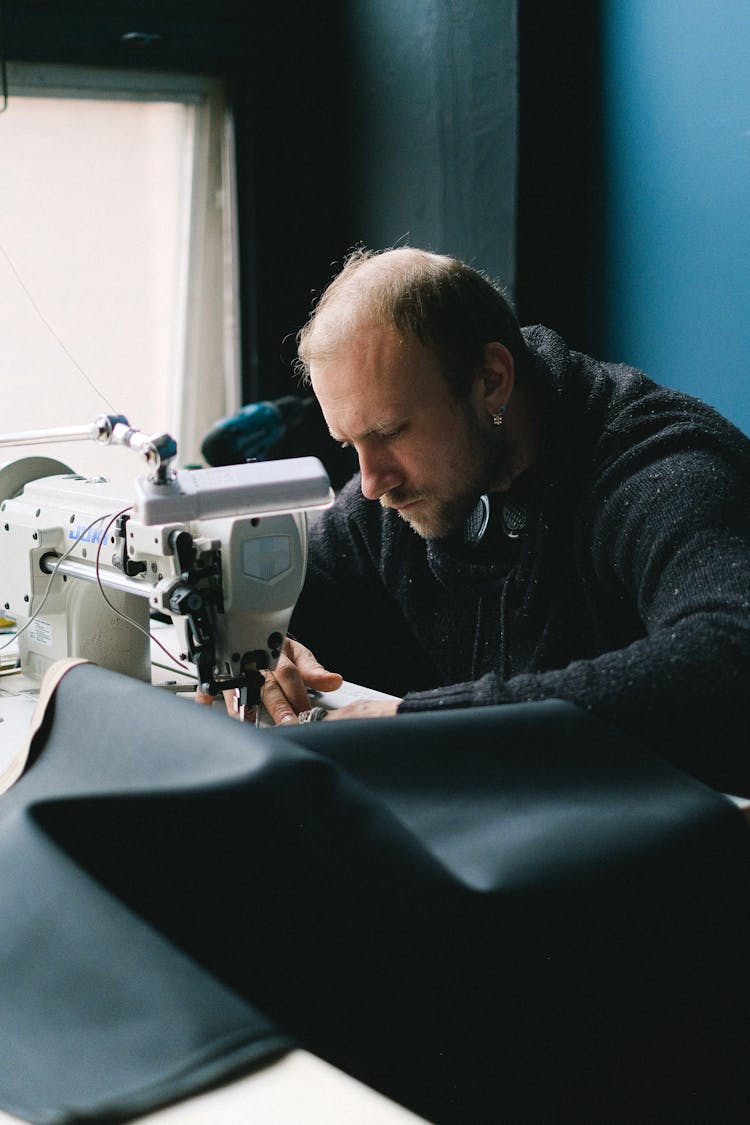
{"x":228,"y":581}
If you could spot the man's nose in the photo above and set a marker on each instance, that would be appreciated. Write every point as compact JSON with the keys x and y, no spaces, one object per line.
{"x":380,"y":474}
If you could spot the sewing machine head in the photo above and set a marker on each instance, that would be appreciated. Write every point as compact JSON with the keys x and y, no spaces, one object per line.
{"x":220,"y":551}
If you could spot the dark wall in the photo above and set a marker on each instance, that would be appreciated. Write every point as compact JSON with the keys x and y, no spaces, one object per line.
{"x":390,"y":122}
{"x":294,"y":127}
{"x":560,"y":262}
{"x":182,"y":34}
{"x":434,"y":90}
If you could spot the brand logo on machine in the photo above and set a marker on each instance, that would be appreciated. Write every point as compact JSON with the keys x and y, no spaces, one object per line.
{"x":267,"y":558}
{"x":93,"y":535}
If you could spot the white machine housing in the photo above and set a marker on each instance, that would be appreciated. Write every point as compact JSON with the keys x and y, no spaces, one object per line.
{"x":229,"y":581}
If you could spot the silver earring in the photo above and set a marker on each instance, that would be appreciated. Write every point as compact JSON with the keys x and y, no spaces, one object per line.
{"x":497,"y":419}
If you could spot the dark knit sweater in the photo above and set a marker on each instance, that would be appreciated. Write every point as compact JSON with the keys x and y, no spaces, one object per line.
{"x":627,"y":592}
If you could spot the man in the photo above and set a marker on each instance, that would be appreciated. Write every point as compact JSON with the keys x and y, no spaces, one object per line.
{"x":527,"y":523}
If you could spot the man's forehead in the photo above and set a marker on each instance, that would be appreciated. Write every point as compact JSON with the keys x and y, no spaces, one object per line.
{"x":374,"y":354}
{"x":356,"y":404}
{"x":366,"y":337}
{"x":355,"y":408}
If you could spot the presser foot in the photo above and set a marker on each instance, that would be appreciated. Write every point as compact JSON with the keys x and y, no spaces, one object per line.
{"x":247,"y":711}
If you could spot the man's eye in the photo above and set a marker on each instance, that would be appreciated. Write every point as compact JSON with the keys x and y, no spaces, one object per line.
{"x":388,"y":435}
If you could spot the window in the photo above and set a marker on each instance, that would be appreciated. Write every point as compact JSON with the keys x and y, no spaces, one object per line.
{"x":118,"y":288}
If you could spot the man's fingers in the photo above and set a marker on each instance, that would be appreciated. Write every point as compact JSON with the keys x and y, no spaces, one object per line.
{"x":290,"y":683}
{"x":276,"y":704}
{"x":365,"y":709}
{"x":284,"y":692}
{"x":311,"y":670}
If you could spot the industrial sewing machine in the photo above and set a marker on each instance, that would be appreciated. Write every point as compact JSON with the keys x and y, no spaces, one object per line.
{"x":220,"y":551}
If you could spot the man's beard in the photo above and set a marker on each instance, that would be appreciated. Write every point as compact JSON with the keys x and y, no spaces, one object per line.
{"x":434,"y":517}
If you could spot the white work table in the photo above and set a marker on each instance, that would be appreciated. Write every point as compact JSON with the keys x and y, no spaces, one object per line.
{"x":297,"y":1089}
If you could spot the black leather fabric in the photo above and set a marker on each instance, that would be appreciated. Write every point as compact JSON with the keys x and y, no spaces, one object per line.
{"x":506,"y":915}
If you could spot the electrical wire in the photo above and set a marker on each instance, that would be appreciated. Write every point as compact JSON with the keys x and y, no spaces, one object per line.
{"x":51,"y":330}
{"x":115,"y":610}
{"x":53,"y":573}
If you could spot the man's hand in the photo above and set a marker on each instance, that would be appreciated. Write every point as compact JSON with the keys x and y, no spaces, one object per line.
{"x":365,"y":709}
{"x":284,"y":691}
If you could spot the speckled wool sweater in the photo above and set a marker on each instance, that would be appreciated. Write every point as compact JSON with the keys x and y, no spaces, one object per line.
{"x":627,"y":592}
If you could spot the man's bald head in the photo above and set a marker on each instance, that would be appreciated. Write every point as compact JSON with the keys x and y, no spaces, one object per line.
{"x":445,"y":304}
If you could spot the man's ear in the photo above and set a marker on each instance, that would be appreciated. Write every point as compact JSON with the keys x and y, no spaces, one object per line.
{"x":494,"y":382}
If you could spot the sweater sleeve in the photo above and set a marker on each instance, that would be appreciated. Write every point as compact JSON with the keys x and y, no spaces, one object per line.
{"x":668,"y":529}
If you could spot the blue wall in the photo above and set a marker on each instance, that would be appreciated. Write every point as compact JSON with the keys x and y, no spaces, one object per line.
{"x":677,"y":195}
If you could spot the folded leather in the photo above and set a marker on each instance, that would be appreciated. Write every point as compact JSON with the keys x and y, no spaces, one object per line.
{"x":511,"y":914}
